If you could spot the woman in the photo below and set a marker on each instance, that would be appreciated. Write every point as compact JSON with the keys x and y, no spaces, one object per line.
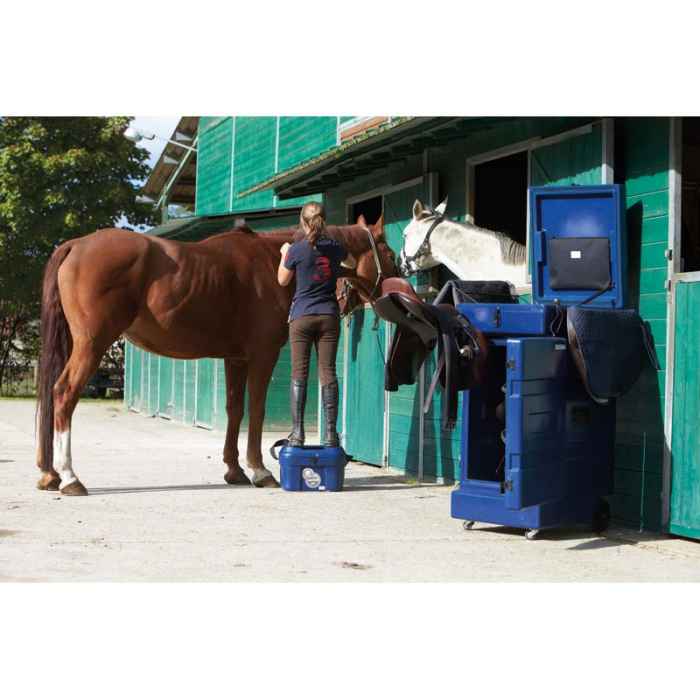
{"x":314,"y":318}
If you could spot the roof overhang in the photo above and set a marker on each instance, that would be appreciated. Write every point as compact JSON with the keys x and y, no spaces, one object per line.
{"x":371,"y":151}
{"x":176,"y":169}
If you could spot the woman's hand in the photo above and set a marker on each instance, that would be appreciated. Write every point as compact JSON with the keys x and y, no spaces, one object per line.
{"x":284,"y":276}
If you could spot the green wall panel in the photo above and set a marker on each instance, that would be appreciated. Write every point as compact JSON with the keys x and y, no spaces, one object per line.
{"x":127,"y":373}
{"x":190,"y":391}
{"x":365,"y":388}
{"x":235,"y":153}
{"x":302,"y":138}
{"x":179,"y":393}
{"x":153,"y":381}
{"x":574,"y":161}
{"x":161,"y":385}
{"x":685,"y":485}
{"x":165,"y":386}
{"x":254,"y":160}
{"x":220,"y":416}
{"x":642,"y":167}
{"x":214,"y":166}
{"x":204,"y":412}
{"x":135,"y":393}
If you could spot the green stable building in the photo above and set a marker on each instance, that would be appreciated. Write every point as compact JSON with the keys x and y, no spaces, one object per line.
{"x":262,"y":168}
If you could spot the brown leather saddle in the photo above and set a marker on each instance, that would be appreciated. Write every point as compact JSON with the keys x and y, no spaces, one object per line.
{"x":422,"y":327}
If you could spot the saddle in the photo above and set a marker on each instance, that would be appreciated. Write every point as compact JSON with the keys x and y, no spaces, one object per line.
{"x":608,"y":348}
{"x":474,"y":292}
{"x":420,"y":328}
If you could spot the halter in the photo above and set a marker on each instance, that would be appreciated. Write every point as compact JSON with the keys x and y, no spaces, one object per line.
{"x":424,"y":247}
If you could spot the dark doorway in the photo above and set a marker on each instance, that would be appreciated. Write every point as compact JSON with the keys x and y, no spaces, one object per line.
{"x":690,"y":196}
{"x":500,"y":195}
{"x":371,"y":209}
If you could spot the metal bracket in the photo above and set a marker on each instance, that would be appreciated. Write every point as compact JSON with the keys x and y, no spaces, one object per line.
{"x":668,"y":253}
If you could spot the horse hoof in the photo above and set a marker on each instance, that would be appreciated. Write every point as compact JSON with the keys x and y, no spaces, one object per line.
{"x":236,"y":477}
{"x":49,"y":482}
{"x":75,"y":488}
{"x":267,"y":482}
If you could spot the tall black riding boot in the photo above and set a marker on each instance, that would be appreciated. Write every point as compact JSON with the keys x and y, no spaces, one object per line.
{"x":329,"y":396}
{"x":297,"y":395}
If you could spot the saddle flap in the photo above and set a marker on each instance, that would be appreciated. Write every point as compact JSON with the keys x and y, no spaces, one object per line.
{"x":608,"y":348}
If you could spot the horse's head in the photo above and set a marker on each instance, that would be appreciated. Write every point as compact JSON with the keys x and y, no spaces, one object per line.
{"x":416,"y":253}
{"x":375,"y":261}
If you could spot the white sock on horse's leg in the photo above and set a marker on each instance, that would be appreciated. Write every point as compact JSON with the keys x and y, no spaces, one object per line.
{"x":62,"y":460}
{"x":260,"y":473}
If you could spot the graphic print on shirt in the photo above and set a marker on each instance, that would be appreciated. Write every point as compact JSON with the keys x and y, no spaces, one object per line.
{"x":323,"y":269}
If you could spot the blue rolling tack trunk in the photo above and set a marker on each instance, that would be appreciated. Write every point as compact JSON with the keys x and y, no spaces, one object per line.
{"x":536,"y":450}
{"x":312,"y":468}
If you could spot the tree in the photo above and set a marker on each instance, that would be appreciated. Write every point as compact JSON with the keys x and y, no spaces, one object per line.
{"x":60,"y":177}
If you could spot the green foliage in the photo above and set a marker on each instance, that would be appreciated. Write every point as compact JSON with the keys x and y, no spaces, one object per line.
{"x":60,"y":177}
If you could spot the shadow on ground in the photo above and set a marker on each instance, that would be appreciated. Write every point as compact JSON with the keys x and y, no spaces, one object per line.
{"x":592,"y":541}
{"x":370,"y":483}
{"x":380,"y":483}
{"x":106,"y":491}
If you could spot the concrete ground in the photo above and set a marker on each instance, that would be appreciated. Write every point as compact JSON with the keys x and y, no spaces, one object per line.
{"x":159,"y":510}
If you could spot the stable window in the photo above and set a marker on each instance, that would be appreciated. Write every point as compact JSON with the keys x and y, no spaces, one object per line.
{"x":500,"y":195}
{"x":370,"y":208}
{"x":497,"y":181}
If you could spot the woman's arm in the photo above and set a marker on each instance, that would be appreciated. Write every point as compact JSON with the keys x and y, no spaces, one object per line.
{"x":284,"y":276}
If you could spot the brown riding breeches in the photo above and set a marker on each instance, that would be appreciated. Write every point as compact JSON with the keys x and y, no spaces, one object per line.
{"x":322,"y":332}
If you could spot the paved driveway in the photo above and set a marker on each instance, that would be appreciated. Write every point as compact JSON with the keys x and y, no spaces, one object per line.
{"x":159,"y":510}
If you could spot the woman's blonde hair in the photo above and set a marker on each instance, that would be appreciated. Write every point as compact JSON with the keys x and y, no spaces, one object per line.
{"x":313,"y":215}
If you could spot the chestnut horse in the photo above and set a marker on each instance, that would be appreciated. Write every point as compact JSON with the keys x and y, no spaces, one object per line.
{"x":214,"y":298}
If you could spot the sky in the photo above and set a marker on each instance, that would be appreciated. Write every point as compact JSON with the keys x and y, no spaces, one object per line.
{"x":160,"y":126}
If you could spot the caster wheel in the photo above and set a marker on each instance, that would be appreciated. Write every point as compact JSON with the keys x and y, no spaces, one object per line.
{"x":531,"y":534}
{"x":601,"y":517}
{"x":468,"y":524}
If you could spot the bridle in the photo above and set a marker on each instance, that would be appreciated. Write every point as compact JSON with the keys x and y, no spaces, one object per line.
{"x":347,"y":282}
{"x":424,"y":247}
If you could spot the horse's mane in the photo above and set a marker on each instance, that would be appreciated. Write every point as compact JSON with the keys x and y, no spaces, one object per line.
{"x":512,"y":252}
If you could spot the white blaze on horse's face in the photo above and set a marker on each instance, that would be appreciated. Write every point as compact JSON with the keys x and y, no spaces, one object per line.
{"x":413,"y":236}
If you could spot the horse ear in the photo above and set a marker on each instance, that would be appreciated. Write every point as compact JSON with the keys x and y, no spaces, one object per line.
{"x":417,"y":209}
{"x":378,"y":228}
{"x":442,"y":207}
{"x":361,"y":221}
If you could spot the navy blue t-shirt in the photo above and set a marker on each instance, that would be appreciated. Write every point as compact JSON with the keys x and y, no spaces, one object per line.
{"x":316,"y":270}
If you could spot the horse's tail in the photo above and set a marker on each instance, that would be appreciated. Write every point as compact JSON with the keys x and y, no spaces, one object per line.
{"x":56,"y":345}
